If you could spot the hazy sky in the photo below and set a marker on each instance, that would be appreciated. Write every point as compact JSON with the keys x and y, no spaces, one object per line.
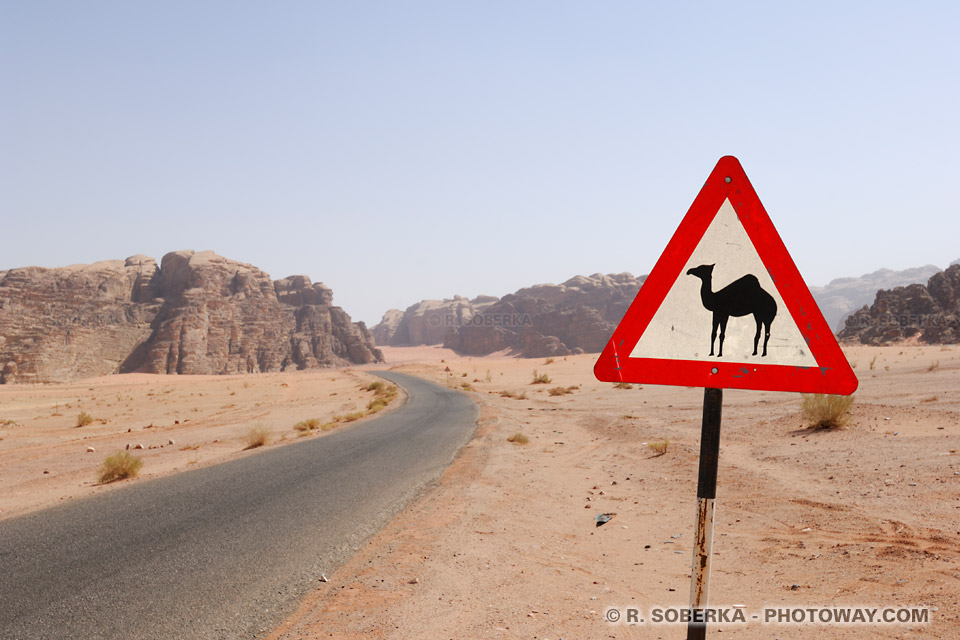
{"x":408,"y":150}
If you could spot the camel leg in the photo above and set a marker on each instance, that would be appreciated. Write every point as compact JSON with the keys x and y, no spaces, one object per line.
{"x":766,"y":338}
{"x":713,"y":334}
{"x":756,"y":336}
{"x":723,"y":334}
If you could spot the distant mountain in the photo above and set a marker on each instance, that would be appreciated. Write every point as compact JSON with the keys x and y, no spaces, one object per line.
{"x":194,"y":313}
{"x":543,"y":320}
{"x":843,"y":296}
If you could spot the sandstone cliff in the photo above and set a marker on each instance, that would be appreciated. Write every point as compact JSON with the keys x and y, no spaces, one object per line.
{"x":544,"y":320}
{"x":843,"y":296}
{"x":196,"y":313}
{"x":930,"y":313}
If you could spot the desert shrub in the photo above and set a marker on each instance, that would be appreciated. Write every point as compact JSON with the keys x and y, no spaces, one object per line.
{"x":307,"y":425}
{"x":559,"y":391}
{"x":508,"y":394}
{"x":623,"y":385}
{"x":258,"y":436}
{"x":540,"y":378}
{"x":466,"y":386}
{"x":660,"y":447}
{"x":351,"y":417}
{"x":518,"y":438}
{"x":548,"y":361}
{"x":377,"y":404}
{"x":825,"y":410}
{"x":83,"y":419}
{"x":375,"y":386}
{"x":327,"y":426}
{"x":521,"y":396}
{"x":934,"y":366}
{"x":118,"y":466}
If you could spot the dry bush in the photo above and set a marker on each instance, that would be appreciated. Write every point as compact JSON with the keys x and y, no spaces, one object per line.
{"x":352,"y":417}
{"x":466,"y":386}
{"x":258,"y":436}
{"x":507,"y":394}
{"x":548,"y":361}
{"x":305,"y":426}
{"x":934,"y":366}
{"x":83,"y":419}
{"x":623,"y":385}
{"x":518,"y":438}
{"x":825,"y":410}
{"x":540,"y":378}
{"x":118,"y":466}
{"x":660,"y":447}
{"x":327,"y":426}
{"x":873,"y":363}
{"x":375,"y":386}
{"x":559,"y":391}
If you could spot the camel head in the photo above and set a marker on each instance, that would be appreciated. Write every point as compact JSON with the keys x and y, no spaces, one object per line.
{"x":703,"y":271}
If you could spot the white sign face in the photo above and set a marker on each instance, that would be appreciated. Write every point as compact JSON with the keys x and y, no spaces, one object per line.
{"x":724,"y":285}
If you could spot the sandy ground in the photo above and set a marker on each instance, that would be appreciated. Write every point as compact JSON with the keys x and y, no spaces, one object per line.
{"x":506,"y":546}
{"x":180,"y":421}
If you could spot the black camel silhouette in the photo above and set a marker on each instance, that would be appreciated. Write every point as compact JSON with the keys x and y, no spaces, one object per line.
{"x":739,"y":298}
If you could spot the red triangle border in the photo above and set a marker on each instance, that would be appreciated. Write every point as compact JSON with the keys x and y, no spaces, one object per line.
{"x":833,"y":373}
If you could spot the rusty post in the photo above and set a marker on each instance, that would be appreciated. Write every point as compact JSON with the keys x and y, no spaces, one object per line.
{"x":706,"y":495}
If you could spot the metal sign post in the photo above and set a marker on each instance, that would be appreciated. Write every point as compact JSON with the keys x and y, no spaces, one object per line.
{"x":706,"y":496}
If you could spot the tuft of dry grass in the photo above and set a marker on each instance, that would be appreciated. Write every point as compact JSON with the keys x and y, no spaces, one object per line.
{"x":934,"y":366}
{"x":352,"y":417}
{"x":931,"y":399}
{"x":308,"y":425}
{"x":623,"y":385}
{"x":873,"y":362}
{"x":506,"y":393}
{"x":559,"y":391}
{"x":540,"y":378}
{"x":258,"y":436}
{"x":118,"y":466}
{"x":548,"y":361}
{"x":466,"y":386}
{"x":518,"y":438}
{"x":83,"y":419}
{"x":660,"y":447}
{"x":825,"y":410}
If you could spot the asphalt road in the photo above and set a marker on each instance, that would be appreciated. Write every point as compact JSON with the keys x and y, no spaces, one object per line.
{"x":225,"y":551}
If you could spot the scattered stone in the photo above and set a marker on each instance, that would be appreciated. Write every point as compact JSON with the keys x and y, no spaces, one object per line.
{"x":603,"y":518}
{"x":138,"y":446}
{"x":45,"y":472}
{"x":128,"y":446}
{"x":677,"y":536}
{"x":171,"y":441}
{"x":794,"y":587}
{"x":323,"y":578}
{"x":90,"y":449}
{"x":586,"y":506}
{"x":414,"y":581}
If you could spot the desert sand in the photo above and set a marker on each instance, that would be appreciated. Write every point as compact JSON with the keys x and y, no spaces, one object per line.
{"x":180,"y":421}
{"x":506,"y":545}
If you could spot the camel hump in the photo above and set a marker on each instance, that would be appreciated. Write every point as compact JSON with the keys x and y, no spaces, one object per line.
{"x":748,"y":280}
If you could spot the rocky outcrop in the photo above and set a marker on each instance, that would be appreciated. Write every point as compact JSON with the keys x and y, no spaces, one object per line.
{"x":428,"y":321}
{"x":544,"y":320}
{"x":197,"y":313}
{"x":930,"y":313}
{"x":843,"y":296}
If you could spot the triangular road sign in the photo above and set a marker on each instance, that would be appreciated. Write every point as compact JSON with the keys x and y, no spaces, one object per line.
{"x":725,"y":306}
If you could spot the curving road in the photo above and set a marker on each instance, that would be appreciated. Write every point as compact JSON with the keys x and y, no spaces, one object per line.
{"x":225,"y":551}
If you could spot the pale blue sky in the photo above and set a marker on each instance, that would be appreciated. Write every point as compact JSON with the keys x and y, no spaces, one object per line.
{"x":408,"y":150}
